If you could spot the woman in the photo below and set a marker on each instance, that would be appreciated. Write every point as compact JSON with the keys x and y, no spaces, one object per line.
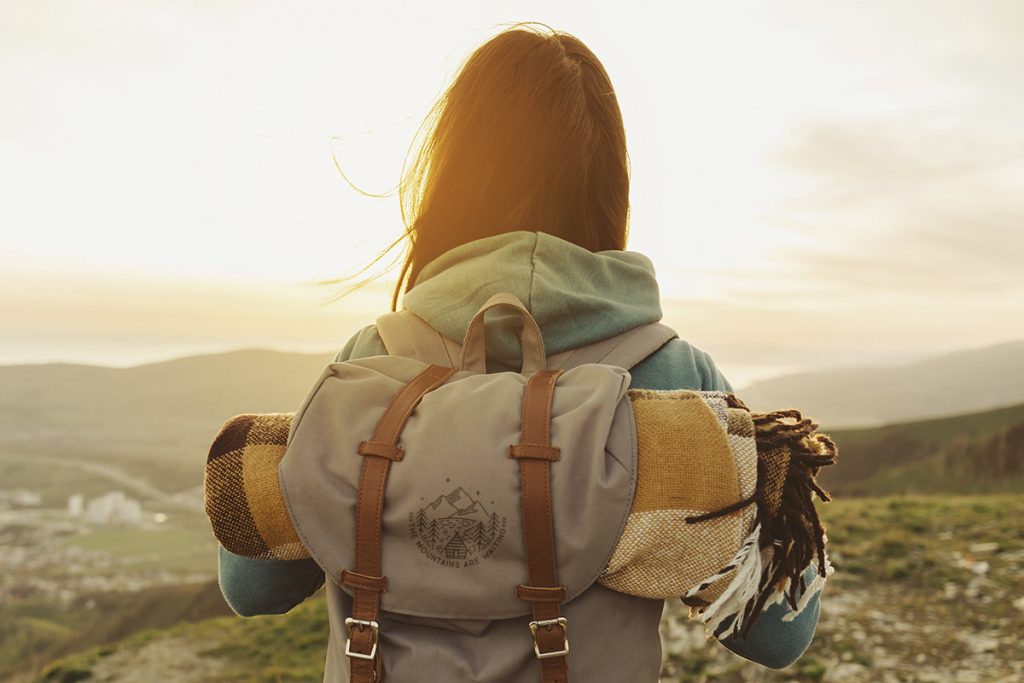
{"x":522,"y":185}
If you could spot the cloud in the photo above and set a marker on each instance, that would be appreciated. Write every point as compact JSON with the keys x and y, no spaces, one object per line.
{"x":904,"y":206}
{"x":121,"y":320}
{"x":920,"y":194}
{"x":854,"y":161}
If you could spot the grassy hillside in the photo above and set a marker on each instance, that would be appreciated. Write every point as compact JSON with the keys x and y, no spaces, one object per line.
{"x":977,"y":453}
{"x":146,"y":430}
{"x":34,"y":632}
{"x":153,"y":421}
{"x":965,"y":381}
{"x":66,"y":584}
{"x":926,"y":589}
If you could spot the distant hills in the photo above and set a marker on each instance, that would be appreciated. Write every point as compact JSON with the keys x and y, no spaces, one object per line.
{"x":155,"y":420}
{"x":950,"y":384}
{"x":976,"y":453}
{"x":952,"y":423}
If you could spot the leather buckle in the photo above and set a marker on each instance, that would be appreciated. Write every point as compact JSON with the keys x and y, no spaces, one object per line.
{"x":361,"y":624}
{"x":548,"y":624}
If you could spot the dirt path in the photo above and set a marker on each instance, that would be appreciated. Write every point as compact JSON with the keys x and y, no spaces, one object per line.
{"x":168,"y":660}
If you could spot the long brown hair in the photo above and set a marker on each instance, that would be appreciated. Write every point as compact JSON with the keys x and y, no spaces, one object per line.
{"x":528,"y":136}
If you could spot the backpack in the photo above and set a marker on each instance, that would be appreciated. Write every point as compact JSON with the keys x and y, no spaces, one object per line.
{"x":486,"y":506}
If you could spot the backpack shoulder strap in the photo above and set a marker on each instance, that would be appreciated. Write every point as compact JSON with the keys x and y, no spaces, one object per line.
{"x":623,"y":350}
{"x":406,"y":334}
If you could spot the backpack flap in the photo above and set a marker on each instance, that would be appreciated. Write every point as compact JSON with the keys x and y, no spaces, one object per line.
{"x":452,"y":542}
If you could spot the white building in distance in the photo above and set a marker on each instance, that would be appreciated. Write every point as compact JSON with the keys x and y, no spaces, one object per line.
{"x":76,"y":505}
{"x":110,"y":507}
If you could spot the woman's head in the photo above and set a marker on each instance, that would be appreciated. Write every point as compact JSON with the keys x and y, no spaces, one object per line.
{"x":528,"y":136}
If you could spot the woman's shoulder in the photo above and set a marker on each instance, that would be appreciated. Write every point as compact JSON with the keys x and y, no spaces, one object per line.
{"x":676,"y":365}
{"x":679,"y":365}
{"x":366,"y":342}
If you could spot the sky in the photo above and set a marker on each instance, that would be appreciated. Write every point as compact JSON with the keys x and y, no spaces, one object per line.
{"x":818,"y":185}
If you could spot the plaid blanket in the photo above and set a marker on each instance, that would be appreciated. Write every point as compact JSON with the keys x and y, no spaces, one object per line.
{"x":723,"y":513}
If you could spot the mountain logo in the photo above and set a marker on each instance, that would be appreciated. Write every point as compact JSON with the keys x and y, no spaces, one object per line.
{"x":456,"y":530}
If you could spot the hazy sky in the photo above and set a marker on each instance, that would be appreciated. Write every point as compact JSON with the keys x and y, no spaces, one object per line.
{"x":817,"y":185}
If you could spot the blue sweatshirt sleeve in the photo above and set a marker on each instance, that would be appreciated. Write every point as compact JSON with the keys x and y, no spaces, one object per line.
{"x":771,"y":641}
{"x":253,"y":587}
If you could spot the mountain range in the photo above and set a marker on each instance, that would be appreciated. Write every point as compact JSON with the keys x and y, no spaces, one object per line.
{"x":966,"y":454}
{"x":156,"y":421}
{"x":956,"y":383}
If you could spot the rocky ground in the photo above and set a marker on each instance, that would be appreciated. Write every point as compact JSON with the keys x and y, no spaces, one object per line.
{"x":176,"y":658}
{"x":856,"y":643}
{"x":926,"y":590}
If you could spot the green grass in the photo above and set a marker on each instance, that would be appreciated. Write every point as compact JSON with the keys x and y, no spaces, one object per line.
{"x":287,"y":649}
{"x":52,"y":482}
{"x":886,"y":608}
{"x":894,"y":556}
{"x":36,"y":628}
{"x":979,"y":453}
{"x":34,"y":632}
{"x":185,"y":544}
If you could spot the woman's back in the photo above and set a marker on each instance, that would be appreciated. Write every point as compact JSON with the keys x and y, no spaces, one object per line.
{"x":578,"y":297}
{"x":521,"y":185}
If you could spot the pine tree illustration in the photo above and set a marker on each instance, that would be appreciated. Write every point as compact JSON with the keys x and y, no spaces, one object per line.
{"x":421,"y":520}
{"x":492,"y":528}
{"x":479,"y":535}
{"x":431,"y":536}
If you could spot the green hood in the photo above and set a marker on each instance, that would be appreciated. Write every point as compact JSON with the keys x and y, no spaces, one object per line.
{"x":577,"y":296}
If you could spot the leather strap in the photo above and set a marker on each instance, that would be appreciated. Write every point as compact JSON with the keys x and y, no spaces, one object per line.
{"x":545,"y":595}
{"x":366,"y":581}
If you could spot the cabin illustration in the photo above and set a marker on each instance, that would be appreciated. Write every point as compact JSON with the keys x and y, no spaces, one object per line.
{"x":456,"y":548}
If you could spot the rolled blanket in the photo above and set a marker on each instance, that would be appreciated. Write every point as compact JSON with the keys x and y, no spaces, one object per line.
{"x":722,"y":516}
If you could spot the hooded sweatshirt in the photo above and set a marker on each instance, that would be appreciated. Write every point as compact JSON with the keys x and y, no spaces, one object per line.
{"x":577,"y":297}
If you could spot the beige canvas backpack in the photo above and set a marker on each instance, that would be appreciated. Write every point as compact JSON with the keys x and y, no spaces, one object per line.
{"x":485,"y":505}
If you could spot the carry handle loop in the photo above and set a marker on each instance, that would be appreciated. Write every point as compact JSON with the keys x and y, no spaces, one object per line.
{"x":474,"y":348}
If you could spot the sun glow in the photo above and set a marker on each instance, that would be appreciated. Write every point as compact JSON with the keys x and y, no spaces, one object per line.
{"x":775,"y":155}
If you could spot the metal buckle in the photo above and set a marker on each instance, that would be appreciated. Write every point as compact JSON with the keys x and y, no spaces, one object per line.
{"x":548,"y":623}
{"x":361,"y":624}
